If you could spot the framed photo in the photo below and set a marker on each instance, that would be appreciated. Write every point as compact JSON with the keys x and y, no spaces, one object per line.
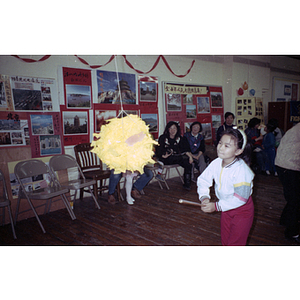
{"x":50,"y":144}
{"x":206,"y":130}
{"x":78,"y":96}
{"x":148,"y":91}
{"x":173,"y":102}
{"x":216,"y":99}
{"x":75,"y":122}
{"x":191,"y":111}
{"x":187,"y":99}
{"x":41,"y":124}
{"x":108,"y":87}
{"x":151,"y":120}
{"x":203,"y":105}
{"x":102,"y":115}
{"x":216,"y":121}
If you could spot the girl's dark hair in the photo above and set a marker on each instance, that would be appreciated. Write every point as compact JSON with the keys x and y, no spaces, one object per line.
{"x":253,"y":122}
{"x":171,"y":123}
{"x":236,"y":134}
{"x":227,"y":114}
{"x":194,"y":123}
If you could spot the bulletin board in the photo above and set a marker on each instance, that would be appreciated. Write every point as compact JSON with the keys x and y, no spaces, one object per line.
{"x":186,"y":104}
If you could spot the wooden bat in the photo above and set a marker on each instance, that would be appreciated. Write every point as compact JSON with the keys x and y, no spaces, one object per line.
{"x":189,"y":202}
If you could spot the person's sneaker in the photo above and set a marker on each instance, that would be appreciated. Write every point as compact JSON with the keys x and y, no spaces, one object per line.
{"x":158,"y":177}
{"x":294,"y":239}
{"x":111,"y":199}
{"x":268,"y":172}
{"x":135,"y":194}
{"x":275,"y":174}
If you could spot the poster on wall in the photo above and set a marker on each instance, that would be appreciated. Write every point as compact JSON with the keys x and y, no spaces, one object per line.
{"x":109,"y":88}
{"x":75,"y":126}
{"x":33,"y":93}
{"x":152,"y":121}
{"x":45,"y":134}
{"x":5,"y":93}
{"x":14,"y":129}
{"x":148,"y":88}
{"x":101,"y":117}
{"x":77,"y":88}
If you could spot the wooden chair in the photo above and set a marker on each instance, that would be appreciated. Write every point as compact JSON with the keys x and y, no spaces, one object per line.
{"x":5,"y":202}
{"x":92,"y":168}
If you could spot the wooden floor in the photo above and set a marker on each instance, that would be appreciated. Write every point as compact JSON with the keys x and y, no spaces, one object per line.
{"x":155,"y":220}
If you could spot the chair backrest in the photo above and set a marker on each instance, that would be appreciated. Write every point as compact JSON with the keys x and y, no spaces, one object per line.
{"x":85,"y":158}
{"x":29,"y":168}
{"x":62,"y":162}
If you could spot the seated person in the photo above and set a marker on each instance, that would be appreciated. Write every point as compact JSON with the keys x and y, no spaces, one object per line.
{"x":255,"y":139}
{"x":174,"y":149}
{"x":278,"y":132}
{"x":142,"y":181}
{"x":197,"y":145}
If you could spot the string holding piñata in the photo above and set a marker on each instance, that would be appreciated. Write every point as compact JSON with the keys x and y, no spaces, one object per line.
{"x":124,"y":144}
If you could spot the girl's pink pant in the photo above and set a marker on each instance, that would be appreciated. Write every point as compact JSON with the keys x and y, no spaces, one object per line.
{"x":236,"y":224}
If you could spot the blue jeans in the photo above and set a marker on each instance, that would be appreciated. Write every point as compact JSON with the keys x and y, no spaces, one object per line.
{"x":138,"y":185}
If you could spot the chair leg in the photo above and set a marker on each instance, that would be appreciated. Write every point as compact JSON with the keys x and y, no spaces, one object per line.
{"x":68,"y":207}
{"x":11,"y":222}
{"x":119,"y":191}
{"x":180,"y":175}
{"x":17,"y":210}
{"x":95,"y":190}
{"x":94,"y":198}
{"x":81,"y":194}
{"x":36,"y":215}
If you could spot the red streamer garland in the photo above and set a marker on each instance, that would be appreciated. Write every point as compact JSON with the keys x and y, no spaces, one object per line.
{"x":95,"y":67}
{"x":45,"y":57}
{"x":29,"y":60}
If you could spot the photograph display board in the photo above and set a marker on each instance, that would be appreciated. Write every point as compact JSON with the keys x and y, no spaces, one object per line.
{"x":186,"y":104}
{"x":247,"y":108}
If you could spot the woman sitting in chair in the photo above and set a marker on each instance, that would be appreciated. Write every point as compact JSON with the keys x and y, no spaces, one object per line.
{"x":197,"y":145}
{"x":174,"y":149}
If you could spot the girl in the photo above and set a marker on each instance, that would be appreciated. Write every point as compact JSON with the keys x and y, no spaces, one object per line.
{"x":233,"y":187}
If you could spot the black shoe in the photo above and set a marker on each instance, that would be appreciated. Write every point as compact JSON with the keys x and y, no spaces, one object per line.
{"x":187,"y":187}
{"x":291,"y":237}
{"x":294,"y":239}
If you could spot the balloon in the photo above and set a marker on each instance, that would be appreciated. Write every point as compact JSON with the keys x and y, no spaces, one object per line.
{"x":252,"y":92}
{"x":245,"y":86}
{"x":240,"y":92}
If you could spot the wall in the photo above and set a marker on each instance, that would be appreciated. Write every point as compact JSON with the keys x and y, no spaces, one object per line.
{"x":228,"y":71}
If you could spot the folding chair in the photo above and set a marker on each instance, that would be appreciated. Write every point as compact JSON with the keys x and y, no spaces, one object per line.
{"x":5,"y":202}
{"x":69,"y":163}
{"x":28,"y":170}
{"x":166,"y":173}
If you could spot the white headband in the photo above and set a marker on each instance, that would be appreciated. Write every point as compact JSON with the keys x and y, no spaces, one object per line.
{"x":244,"y":137}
